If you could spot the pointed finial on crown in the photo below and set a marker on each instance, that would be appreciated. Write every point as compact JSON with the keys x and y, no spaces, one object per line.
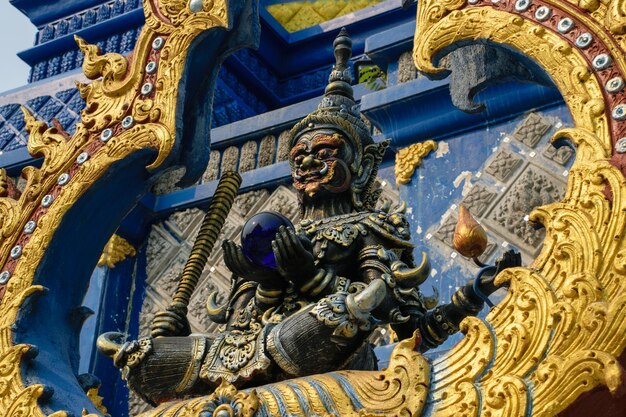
{"x":340,"y":80}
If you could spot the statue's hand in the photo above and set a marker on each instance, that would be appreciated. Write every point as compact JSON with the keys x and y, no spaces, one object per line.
{"x":510,"y":259}
{"x":171,"y":322}
{"x":241,"y":266}
{"x":294,"y":256}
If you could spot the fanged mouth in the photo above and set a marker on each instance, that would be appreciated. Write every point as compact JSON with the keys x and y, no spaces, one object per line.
{"x":313,"y":174}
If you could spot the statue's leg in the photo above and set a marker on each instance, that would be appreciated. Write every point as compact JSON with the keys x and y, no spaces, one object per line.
{"x":306,"y":344}
{"x":165,"y":368}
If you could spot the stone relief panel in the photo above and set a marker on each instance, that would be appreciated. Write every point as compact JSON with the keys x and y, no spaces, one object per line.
{"x":478,"y":199}
{"x":561,"y":155}
{"x":406,"y":68}
{"x":504,"y":164}
{"x":248,"y":156}
{"x":534,"y":187}
{"x":267,"y":151}
{"x":230,"y":158}
{"x":524,"y":171}
{"x":247,"y":203}
{"x":165,"y":283}
{"x":212,"y":172}
{"x":197,"y":309}
{"x":445,"y":232}
{"x":285,"y":201}
{"x":283,"y":147}
{"x":162,"y":247}
{"x":532,"y":130}
{"x":183,"y":222}
{"x":136,"y":405}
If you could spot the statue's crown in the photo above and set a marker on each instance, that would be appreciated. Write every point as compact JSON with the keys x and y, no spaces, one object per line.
{"x":338,"y":109}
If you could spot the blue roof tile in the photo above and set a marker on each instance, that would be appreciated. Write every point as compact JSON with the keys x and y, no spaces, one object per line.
{"x":6,"y":136}
{"x":8,"y":110}
{"x":37,"y":103}
{"x":50,"y":109}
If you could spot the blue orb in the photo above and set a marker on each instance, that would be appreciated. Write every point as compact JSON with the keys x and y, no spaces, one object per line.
{"x":257,"y":236}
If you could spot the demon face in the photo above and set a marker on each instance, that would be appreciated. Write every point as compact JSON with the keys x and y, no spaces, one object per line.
{"x":320,"y":161}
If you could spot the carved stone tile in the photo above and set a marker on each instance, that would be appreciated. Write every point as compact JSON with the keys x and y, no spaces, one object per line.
{"x":212,"y":172}
{"x":503,"y":165}
{"x":166,"y":280}
{"x":248,"y":156}
{"x":478,"y":199}
{"x":219,"y":275}
{"x":561,"y":156}
{"x":152,"y":303}
{"x":285,"y":201}
{"x":406,"y":68}
{"x":445,"y":232}
{"x":247,"y":203}
{"x":534,"y":187}
{"x":198,"y":318}
{"x":162,"y":247}
{"x":136,"y":405}
{"x":267,"y":151}
{"x":167,"y":183}
{"x":531,"y":130}
{"x":230,"y":159}
{"x":283,"y":147}
{"x":184,"y":222}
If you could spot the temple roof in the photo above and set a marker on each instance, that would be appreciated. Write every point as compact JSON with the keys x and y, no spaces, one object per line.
{"x":298,"y":15}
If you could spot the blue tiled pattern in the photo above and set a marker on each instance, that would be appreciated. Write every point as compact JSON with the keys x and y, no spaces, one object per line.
{"x":290,"y":87}
{"x":64,"y":106}
{"x":85,"y":19}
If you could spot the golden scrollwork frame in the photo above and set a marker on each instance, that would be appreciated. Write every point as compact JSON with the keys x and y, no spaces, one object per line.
{"x":122,"y":117}
{"x":556,"y":335}
{"x":562,"y":327}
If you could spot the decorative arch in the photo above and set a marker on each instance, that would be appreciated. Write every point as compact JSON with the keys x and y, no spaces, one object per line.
{"x":561,"y":329}
{"x":145,"y":114}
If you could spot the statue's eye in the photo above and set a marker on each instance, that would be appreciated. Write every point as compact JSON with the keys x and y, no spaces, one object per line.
{"x":324,"y":153}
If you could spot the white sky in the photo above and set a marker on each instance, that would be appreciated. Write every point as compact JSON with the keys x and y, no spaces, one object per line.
{"x":17,"y":33}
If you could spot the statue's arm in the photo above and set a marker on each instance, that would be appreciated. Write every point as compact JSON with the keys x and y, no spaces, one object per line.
{"x":438,"y":324}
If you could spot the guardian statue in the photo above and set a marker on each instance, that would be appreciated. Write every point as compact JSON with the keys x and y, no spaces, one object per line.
{"x":305,"y":299}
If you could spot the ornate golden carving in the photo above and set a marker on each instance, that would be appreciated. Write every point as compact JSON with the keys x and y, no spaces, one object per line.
{"x":115,"y":251}
{"x":411,"y":157}
{"x":561,"y":327}
{"x":96,"y":399}
{"x":115,"y":95}
{"x":7,"y":186}
{"x":225,"y":401}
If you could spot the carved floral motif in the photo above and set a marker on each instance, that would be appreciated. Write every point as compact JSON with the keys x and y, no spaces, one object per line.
{"x":409,"y":158}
